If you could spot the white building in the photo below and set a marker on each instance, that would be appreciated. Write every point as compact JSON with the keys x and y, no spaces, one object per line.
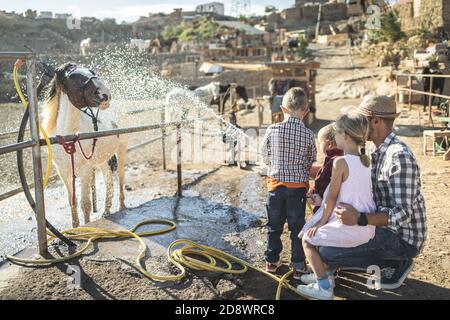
{"x":212,"y":7}
{"x":45,"y":15}
{"x":62,"y":16}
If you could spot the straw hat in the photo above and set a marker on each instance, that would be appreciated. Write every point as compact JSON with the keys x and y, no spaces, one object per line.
{"x":378,"y":106}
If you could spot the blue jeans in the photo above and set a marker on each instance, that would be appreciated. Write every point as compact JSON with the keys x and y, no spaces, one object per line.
{"x":285,"y":204}
{"x":386,"y":249}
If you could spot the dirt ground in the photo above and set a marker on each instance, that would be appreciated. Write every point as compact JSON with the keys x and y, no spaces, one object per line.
{"x":243,"y":192}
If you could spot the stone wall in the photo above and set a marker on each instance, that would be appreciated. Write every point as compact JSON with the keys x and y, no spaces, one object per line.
{"x":309,"y":14}
{"x":334,"y":11}
{"x":432,"y":14}
{"x":292,"y":16}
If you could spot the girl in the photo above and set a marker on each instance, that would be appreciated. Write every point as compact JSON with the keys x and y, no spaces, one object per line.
{"x":350,"y":183}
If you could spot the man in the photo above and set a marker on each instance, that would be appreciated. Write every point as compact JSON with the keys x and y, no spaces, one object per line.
{"x":400,"y":218}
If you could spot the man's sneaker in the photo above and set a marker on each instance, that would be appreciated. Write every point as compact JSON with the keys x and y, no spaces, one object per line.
{"x":311,"y":278}
{"x":272,"y":267}
{"x":299,"y":272}
{"x":393,"y":280}
{"x":314,"y":291}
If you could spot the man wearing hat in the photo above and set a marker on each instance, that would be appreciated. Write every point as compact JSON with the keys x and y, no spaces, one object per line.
{"x":400,"y":217}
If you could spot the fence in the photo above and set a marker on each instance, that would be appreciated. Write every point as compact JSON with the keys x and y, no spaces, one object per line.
{"x":35,"y":143}
{"x":424,"y":93}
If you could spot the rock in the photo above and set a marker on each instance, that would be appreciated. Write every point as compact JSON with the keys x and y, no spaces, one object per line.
{"x":225,"y":287}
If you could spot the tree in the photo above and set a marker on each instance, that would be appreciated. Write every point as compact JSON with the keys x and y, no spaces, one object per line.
{"x":390,"y":28}
{"x":31,"y":14}
{"x":270,"y":9}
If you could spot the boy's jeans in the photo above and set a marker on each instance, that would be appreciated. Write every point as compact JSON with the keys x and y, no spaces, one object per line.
{"x":285,"y":204}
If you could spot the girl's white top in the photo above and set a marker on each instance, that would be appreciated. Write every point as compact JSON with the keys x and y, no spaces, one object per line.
{"x":356,"y":191}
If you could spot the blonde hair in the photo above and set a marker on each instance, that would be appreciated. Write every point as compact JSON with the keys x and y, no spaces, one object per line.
{"x":295,"y":99}
{"x":327,"y":133}
{"x":356,"y":126}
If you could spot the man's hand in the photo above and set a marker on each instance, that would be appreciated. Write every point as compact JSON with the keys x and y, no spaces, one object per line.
{"x":346,"y":214}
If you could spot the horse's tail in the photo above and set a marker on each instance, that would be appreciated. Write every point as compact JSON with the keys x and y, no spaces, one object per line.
{"x":113,"y":163}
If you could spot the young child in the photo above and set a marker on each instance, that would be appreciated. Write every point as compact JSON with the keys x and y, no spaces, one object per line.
{"x":288,"y":151}
{"x":327,"y":144}
{"x":350,"y":183}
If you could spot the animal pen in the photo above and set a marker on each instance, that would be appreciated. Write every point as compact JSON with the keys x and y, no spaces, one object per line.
{"x":443,"y":133}
{"x":36,"y":142}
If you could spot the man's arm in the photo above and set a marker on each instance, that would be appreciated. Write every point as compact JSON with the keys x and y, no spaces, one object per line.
{"x":403,"y":183}
{"x":402,"y":179}
{"x":348,"y":215}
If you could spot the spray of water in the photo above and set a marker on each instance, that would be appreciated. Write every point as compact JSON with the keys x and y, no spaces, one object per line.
{"x":136,"y":86}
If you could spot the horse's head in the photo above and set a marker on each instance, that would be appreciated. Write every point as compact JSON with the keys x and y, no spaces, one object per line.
{"x":242,"y":93}
{"x":81,"y":85}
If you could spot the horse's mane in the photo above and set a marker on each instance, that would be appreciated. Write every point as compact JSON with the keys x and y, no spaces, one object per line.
{"x":51,"y":106}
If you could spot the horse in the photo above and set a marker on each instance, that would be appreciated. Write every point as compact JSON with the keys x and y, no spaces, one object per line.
{"x":241,"y":92}
{"x":86,"y":46}
{"x":438,"y":85}
{"x":72,"y":89}
{"x":177,"y":109}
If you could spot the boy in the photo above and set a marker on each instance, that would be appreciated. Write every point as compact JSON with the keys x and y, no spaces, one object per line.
{"x":288,"y":151}
{"x":327,"y":144}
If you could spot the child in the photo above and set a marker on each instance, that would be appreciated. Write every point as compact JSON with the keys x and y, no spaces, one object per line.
{"x":288,"y":151}
{"x":350,"y":183}
{"x":327,"y":144}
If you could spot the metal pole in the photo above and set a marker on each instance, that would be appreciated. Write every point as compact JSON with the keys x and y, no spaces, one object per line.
{"x":94,"y":192}
{"x":36,"y":152}
{"x":179,"y":173}
{"x":163,"y":137}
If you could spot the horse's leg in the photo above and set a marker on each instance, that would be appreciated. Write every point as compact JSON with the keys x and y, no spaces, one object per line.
{"x":108,"y":177}
{"x":67,"y":179}
{"x":86,"y":180}
{"x":121,"y":160}
{"x":425,"y":102}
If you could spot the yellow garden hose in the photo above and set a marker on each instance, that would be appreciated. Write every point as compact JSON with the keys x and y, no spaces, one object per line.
{"x":180,"y":253}
{"x":17,"y":66}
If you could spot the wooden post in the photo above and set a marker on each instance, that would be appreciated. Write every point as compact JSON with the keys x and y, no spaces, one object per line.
{"x":163,"y":137}
{"x":396,"y":89}
{"x":36,"y":152}
{"x":430,"y":101}
{"x":179,"y":173}
{"x":410,"y":93}
{"x":260,"y":113}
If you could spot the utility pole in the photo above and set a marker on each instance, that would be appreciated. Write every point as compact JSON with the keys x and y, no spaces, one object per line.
{"x":240,"y":7}
{"x":319,"y":16}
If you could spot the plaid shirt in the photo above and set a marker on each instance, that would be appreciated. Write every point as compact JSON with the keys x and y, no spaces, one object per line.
{"x":397,"y":190}
{"x":289,"y":150}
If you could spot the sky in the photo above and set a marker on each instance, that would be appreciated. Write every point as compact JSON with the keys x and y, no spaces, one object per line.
{"x":125,"y":10}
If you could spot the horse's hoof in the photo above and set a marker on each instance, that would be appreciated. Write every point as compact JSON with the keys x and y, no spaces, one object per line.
{"x":106,"y":214}
{"x":123,"y":207}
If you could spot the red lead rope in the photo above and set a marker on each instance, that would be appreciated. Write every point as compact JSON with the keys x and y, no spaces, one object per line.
{"x":70,"y":149}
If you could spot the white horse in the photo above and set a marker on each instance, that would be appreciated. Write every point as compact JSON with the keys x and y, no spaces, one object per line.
{"x":140,"y":44}
{"x":71,"y":89}
{"x":180,"y":101}
{"x":85,"y":46}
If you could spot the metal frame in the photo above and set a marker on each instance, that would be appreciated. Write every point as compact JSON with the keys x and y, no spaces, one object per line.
{"x":35,"y":143}
{"x":411,"y":91}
